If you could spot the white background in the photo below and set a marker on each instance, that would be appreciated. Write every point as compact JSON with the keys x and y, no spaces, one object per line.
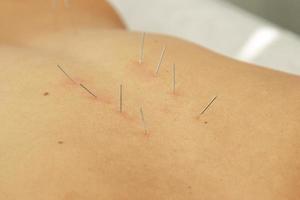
{"x":217,"y":25}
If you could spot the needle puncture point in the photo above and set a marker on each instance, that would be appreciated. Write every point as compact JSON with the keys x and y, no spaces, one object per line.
{"x":88,"y":90}
{"x":161,"y":59}
{"x":121,"y":98}
{"x":67,"y":75}
{"x":208,"y":105}
{"x":174,"y":78}
{"x":142,"y":49}
{"x":143,"y":120}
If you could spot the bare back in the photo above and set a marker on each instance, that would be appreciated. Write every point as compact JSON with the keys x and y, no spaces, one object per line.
{"x":60,"y":141}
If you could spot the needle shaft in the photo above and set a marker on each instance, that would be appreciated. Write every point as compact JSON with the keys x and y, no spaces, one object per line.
{"x":143,"y":120}
{"x":161,"y":59}
{"x":121,"y":98}
{"x":142,"y":49}
{"x":174,"y":78}
{"x":208,"y":105}
{"x":67,"y":75}
{"x":88,"y":90}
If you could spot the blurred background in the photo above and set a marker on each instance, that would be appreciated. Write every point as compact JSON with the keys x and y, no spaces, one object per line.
{"x":263,"y":32}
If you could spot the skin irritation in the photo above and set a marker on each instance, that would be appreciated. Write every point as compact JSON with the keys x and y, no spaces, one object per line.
{"x":167,"y":131}
{"x":76,"y":146}
{"x":74,"y":82}
{"x":142,"y":70}
{"x":95,"y":96}
{"x":141,"y":65}
{"x":99,"y":97}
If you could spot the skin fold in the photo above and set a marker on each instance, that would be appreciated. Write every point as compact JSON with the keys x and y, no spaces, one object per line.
{"x":58,"y":142}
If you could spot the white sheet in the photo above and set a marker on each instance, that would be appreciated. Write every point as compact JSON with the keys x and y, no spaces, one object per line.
{"x":217,"y":25}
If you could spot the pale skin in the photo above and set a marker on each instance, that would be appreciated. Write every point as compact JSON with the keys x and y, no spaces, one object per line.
{"x":59,"y":142}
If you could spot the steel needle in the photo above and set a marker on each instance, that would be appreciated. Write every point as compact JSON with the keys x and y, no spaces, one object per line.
{"x":203,"y":111}
{"x":142,"y":49}
{"x":88,"y":90}
{"x":143,"y":120}
{"x":161,"y":59}
{"x":65,"y":73}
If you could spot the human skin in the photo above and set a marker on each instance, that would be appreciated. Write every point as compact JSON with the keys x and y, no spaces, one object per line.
{"x":58,"y":142}
{"x":22,"y":20}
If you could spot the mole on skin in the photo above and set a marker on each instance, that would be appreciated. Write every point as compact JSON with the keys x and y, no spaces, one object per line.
{"x":46,"y":93}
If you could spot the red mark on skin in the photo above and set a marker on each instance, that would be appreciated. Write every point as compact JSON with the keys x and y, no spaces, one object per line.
{"x":142,"y":70}
{"x":176,"y":94}
{"x":68,"y":83}
{"x":105,"y":99}
{"x":166,"y":110}
{"x":147,"y":135}
{"x":100,"y":98}
{"x":46,"y":94}
{"x":126,"y":116}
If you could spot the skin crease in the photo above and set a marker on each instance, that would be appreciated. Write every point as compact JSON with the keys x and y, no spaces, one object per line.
{"x":68,"y":145}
